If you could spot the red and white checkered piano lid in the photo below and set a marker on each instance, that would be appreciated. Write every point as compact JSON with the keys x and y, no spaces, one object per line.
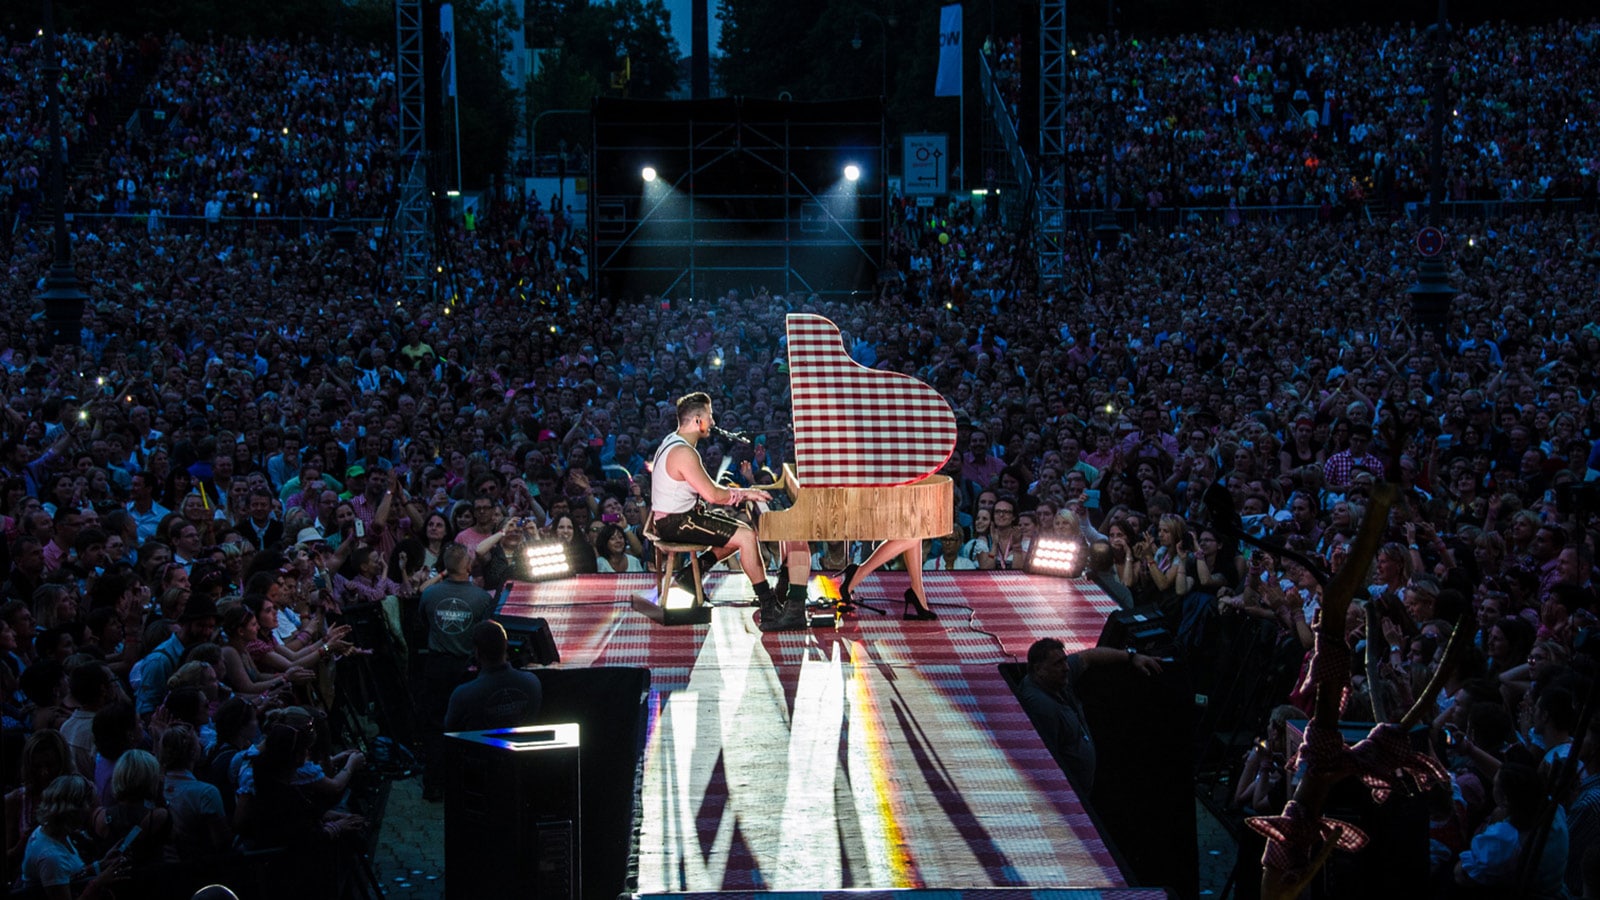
{"x":855,"y":426}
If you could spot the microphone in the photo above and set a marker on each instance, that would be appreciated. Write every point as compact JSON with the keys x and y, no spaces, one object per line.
{"x":730,"y":435}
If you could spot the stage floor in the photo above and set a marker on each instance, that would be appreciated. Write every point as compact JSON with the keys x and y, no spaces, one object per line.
{"x":885,"y":754}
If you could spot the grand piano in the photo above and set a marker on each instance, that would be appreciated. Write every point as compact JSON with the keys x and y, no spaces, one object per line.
{"x":868,"y":446}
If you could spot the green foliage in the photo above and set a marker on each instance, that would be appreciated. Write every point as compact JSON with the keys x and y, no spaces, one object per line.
{"x":488,"y":104}
{"x":583,"y":61}
{"x":808,"y":49}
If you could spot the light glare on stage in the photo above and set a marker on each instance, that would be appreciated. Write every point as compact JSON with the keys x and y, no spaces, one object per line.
{"x":648,"y":173}
{"x":547,"y":561}
{"x":852,"y":172}
{"x":1056,"y":556}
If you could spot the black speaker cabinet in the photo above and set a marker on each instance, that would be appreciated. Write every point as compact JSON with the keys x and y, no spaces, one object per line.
{"x":1143,"y":628}
{"x":528,"y":640}
{"x":511,"y":820}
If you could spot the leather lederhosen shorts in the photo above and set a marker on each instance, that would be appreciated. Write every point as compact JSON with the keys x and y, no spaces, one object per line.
{"x":700,"y":525}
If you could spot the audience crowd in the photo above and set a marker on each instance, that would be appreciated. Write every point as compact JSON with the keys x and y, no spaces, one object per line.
{"x":197,"y":505}
{"x":1338,"y":117}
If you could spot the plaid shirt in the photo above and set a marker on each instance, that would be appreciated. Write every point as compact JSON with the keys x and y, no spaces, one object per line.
{"x":1336,"y":471}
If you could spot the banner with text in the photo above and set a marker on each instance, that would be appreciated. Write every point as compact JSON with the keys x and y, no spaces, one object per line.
{"x":925,"y":160}
{"x":948,"y":84}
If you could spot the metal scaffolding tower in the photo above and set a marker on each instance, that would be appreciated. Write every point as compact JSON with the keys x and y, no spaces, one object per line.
{"x":414,"y":218}
{"x":1050,"y":237}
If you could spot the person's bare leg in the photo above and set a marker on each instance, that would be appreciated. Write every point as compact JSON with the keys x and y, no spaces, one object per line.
{"x":913,"y":556}
{"x":744,"y":541}
{"x":797,"y":556}
{"x":881,"y":555}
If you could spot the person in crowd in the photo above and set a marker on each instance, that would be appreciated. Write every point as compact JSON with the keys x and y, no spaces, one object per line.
{"x":500,"y":696}
{"x":1053,"y":707}
{"x":52,"y":861}
{"x":135,"y":803}
{"x":196,"y":626}
{"x":45,"y":756}
{"x":1493,"y":859}
{"x":199,"y":822}
{"x":611,"y":551}
{"x":451,"y":609}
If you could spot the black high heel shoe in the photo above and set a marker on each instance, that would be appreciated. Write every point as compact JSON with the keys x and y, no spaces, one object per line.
{"x":844,"y":584}
{"x":915,"y":610}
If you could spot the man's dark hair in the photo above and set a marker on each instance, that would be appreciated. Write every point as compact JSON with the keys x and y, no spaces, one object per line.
{"x":1490,"y":724}
{"x":1041,"y":650}
{"x":1101,"y":559}
{"x":111,"y":727}
{"x":86,"y":682}
{"x":87,"y":538}
{"x":452,"y":556}
{"x":691,"y":405}
{"x":107,"y":590}
{"x":38,"y":682}
{"x":24,"y":542}
{"x":260,"y":583}
{"x":98,"y":619}
{"x":66,"y":509}
{"x":232,"y":717}
{"x":1560,"y":706}
{"x":489,"y":641}
{"x":1558,"y":535}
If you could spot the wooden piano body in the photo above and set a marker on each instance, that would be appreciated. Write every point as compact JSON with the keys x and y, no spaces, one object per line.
{"x":868,"y":447}
{"x":921,"y":509}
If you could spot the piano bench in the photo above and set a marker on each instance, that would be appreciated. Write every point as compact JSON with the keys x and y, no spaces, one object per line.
{"x":668,"y":553}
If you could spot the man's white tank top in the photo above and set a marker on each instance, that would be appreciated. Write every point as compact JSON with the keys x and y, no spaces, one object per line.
{"x":667,"y":494}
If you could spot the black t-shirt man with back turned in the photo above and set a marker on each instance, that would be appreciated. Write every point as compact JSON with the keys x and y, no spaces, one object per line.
{"x":450,"y":608}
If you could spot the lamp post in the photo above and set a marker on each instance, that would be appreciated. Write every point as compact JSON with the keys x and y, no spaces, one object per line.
{"x":883,"y":34}
{"x":1432,"y":293}
{"x":63,"y":299}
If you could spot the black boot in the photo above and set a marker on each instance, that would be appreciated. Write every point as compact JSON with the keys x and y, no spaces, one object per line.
{"x":767,"y":601}
{"x":792,"y":614}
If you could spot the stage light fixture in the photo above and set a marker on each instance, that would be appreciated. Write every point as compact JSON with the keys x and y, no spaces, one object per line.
{"x":852,"y":172}
{"x":547,"y":561}
{"x":1056,"y":556}
{"x":648,"y":173}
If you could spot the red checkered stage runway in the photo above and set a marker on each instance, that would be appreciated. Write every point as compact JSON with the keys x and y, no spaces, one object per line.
{"x":884,"y":754}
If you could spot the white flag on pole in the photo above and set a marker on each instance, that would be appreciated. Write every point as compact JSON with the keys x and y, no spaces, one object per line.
{"x":447,"y":31}
{"x":948,"y":84}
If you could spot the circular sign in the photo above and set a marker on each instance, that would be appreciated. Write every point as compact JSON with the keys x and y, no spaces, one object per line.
{"x":1430,"y":241}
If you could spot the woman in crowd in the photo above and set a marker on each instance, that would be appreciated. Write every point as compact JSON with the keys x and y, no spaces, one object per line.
{"x":312,"y":643}
{"x":199,"y":822}
{"x":980,"y":549}
{"x":52,"y":861}
{"x":363,"y":580}
{"x":1507,"y":644}
{"x":580,"y":553}
{"x":241,"y":630}
{"x":45,"y":756}
{"x":1166,"y":561}
{"x":1493,"y":860}
{"x":435,"y":533}
{"x":135,"y":803}
{"x":611,"y":551}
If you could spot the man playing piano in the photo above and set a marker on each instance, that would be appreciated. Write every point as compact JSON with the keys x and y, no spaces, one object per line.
{"x":680,"y":489}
